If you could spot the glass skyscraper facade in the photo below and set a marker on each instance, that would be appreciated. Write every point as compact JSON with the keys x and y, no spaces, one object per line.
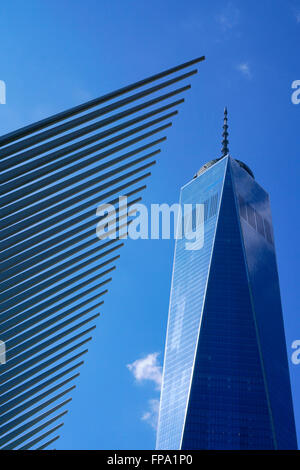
{"x":226,"y":381}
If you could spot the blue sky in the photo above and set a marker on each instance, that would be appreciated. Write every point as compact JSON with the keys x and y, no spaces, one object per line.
{"x":56,"y":54}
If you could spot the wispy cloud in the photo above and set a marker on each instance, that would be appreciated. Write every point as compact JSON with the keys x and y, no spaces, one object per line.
{"x":192,"y":24}
{"x":147,"y":368}
{"x":244,"y":68}
{"x":228,"y":17}
{"x":81,"y":94}
{"x":295,"y":10}
{"x":151,"y":416}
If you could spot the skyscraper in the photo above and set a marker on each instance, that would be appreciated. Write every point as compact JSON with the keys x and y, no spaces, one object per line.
{"x":226,"y":380}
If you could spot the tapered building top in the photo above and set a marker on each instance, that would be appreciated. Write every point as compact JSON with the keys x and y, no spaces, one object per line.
{"x":225,"y":150}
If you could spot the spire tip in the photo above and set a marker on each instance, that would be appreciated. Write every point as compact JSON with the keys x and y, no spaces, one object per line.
{"x":225,"y":141}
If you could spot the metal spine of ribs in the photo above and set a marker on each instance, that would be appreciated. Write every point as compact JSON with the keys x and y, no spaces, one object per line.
{"x":54,"y":271}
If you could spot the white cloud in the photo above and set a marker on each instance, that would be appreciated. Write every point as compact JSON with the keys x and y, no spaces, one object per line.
{"x":151,"y":416}
{"x":191,"y":24}
{"x":80,"y":94}
{"x":147,"y":368}
{"x":244,"y":68}
{"x":229,"y":17}
{"x":296,"y":13}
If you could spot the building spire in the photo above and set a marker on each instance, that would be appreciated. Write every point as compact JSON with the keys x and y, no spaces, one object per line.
{"x":225,"y":141}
